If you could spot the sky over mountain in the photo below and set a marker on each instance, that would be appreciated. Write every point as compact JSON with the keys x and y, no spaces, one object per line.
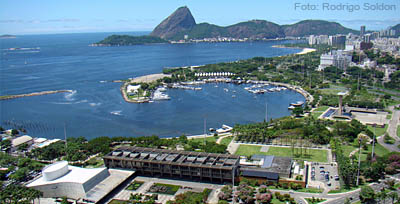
{"x":66,"y":16}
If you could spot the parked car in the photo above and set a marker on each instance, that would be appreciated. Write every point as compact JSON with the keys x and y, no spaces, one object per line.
{"x":337,"y":178}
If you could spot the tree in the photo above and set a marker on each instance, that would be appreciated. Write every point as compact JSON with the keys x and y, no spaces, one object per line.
{"x":367,"y":194}
{"x":394,"y":196}
{"x":64,"y":200}
{"x":14,"y":132}
{"x":5,"y":144}
{"x":298,"y":111}
{"x":382,"y":195}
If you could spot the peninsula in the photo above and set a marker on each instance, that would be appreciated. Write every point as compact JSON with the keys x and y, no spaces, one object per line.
{"x":123,"y":40}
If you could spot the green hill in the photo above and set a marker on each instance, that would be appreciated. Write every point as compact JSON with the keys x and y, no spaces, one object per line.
{"x":316,"y":27}
{"x":114,"y":40}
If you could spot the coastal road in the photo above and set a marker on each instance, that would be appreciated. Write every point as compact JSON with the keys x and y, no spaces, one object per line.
{"x":335,"y":198}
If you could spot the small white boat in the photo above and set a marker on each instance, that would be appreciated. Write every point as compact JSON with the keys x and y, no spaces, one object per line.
{"x":298,"y":103}
{"x":291,"y":107}
{"x":233,"y":96}
{"x":225,"y":89}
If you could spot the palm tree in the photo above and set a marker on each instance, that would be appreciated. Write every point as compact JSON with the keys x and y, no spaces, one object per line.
{"x":394,"y":196}
{"x":382,"y":195}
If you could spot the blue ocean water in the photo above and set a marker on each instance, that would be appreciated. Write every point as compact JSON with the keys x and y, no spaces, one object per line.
{"x":96,"y":108}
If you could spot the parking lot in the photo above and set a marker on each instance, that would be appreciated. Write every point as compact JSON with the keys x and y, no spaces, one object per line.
{"x":324,"y":176}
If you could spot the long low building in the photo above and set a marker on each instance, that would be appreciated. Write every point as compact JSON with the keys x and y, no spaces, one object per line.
{"x":172,"y":163}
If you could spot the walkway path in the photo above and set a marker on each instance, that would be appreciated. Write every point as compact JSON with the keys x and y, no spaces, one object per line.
{"x":222,"y":137}
{"x":392,"y":131}
{"x":353,"y":152}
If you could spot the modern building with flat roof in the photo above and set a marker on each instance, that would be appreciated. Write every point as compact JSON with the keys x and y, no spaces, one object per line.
{"x":82,"y":184}
{"x":172,"y":163}
{"x":269,"y":168}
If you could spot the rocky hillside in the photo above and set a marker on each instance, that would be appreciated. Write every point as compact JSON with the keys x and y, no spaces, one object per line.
{"x":181,"y":20}
{"x":181,"y":23}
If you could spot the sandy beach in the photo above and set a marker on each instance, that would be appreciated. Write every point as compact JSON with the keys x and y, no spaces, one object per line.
{"x":149,"y":78}
{"x":306,"y":50}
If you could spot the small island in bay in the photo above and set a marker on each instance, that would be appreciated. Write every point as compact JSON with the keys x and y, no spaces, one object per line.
{"x":7,"y":36}
{"x":124,"y":40}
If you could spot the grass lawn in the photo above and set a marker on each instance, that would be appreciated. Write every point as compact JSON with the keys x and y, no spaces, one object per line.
{"x":389,"y":116}
{"x":208,"y":139}
{"x":113,"y":201}
{"x":330,"y":91}
{"x":95,"y":162}
{"x":398,"y":131}
{"x":333,"y":89}
{"x":315,"y":155}
{"x":226,"y":140}
{"x":379,"y":150}
{"x":318,"y":111}
{"x":379,"y":131}
{"x":276,"y":201}
{"x":347,"y":149}
{"x":170,"y":189}
{"x":310,"y":190}
{"x":315,"y":200}
{"x":135,"y":185}
{"x":342,"y":190}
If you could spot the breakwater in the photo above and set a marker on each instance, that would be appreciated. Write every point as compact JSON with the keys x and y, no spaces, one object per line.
{"x":33,"y":94}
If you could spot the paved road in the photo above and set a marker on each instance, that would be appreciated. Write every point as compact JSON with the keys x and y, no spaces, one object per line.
{"x":394,"y":122}
{"x":392,"y":131}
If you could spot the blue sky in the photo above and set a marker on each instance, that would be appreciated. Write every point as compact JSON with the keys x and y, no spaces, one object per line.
{"x":74,"y":16}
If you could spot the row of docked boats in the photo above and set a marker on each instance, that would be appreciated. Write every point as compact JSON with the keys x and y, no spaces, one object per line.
{"x":259,"y":89}
{"x":180,"y":86}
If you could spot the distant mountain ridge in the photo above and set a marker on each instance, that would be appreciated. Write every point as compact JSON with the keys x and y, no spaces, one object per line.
{"x":182,"y":22}
{"x":397,"y":29}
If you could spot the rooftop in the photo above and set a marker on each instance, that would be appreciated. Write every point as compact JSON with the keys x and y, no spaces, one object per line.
{"x":21,"y":140}
{"x":272,"y":164}
{"x":74,"y":175}
{"x":175,"y":157}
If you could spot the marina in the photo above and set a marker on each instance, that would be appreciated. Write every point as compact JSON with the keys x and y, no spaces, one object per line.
{"x":65,"y":62}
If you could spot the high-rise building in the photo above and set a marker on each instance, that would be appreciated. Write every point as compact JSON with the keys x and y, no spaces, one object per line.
{"x":362,"y":30}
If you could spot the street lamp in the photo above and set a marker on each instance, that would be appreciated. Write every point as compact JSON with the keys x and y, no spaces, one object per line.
{"x":359,"y":160}
{"x":373,"y":141}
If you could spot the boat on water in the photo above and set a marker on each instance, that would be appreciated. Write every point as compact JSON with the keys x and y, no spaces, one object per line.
{"x":162,"y":89}
{"x":233,"y":96}
{"x":225,"y":89}
{"x":298,"y":103}
{"x":160,"y":96}
{"x":291,"y":107}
